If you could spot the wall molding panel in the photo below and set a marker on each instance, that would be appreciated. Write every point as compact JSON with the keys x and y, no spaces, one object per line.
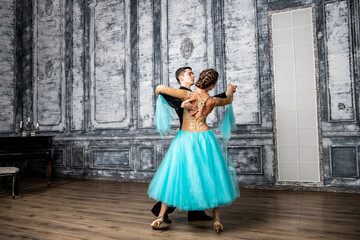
{"x":241,"y":58}
{"x":109,"y":53}
{"x":7,"y":67}
{"x":187,"y":40}
{"x":103,"y":158}
{"x":344,"y":161}
{"x":146,"y":64}
{"x":78,"y":73}
{"x":59,"y":157}
{"x":77,"y":157}
{"x":340,"y":76}
{"x":147,"y":161}
{"x":49,"y":64}
{"x":247,"y":160}
{"x":341,"y":161}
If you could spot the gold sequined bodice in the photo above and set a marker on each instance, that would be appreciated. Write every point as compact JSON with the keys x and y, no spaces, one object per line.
{"x":195,"y":121}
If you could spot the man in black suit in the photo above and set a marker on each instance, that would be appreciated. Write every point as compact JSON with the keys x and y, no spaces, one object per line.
{"x":185,"y":77}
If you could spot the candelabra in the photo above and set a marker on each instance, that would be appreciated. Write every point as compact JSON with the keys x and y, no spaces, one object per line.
{"x":29,"y":129}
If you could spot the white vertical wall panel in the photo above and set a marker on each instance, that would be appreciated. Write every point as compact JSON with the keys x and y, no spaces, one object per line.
{"x":295,"y":96}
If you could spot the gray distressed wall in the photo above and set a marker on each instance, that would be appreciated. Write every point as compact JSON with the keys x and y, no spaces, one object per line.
{"x":86,"y":71}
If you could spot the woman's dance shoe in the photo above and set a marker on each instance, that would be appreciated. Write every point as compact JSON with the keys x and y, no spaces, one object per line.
{"x":218,"y":227}
{"x":157,"y":222}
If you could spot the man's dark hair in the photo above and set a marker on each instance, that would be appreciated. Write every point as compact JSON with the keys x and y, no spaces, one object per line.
{"x":180,"y":71}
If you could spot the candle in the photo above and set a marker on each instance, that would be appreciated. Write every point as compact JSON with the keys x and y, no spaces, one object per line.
{"x":21,"y":124}
{"x":28,"y":119}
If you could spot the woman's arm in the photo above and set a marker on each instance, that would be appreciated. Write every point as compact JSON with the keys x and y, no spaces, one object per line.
{"x":229,"y":96}
{"x":223,"y":101}
{"x":177,"y":93}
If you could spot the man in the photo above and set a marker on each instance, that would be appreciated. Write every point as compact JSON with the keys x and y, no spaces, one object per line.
{"x":185,"y":77}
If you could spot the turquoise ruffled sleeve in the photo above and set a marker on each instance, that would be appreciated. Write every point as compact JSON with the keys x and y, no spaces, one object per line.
{"x":228,"y":123}
{"x":164,"y":114}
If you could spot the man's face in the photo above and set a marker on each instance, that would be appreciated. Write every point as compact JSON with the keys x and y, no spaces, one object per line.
{"x":187,"y":77}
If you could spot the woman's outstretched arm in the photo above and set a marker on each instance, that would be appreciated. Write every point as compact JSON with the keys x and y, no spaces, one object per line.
{"x":177,"y":93}
{"x":223,"y":101}
{"x":229,"y":96}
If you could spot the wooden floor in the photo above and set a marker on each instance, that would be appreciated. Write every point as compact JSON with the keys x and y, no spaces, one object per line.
{"x":94,"y":209}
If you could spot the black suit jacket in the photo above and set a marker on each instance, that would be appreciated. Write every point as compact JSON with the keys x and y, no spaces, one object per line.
{"x":176,"y":103}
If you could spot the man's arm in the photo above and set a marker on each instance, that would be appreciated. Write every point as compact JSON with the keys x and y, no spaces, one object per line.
{"x":177,"y":93}
{"x":221,"y":95}
{"x":172,"y":101}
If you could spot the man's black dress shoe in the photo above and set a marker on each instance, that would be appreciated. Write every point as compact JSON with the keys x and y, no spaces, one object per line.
{"x":167,"y":220}
{"x":198,"y":216}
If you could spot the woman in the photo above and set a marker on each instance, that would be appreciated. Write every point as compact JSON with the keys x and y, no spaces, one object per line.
{"x":194,"y":174}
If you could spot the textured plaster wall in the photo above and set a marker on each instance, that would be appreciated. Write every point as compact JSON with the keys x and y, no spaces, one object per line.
{"x":7,"y":66}
{"x":86,"y":70}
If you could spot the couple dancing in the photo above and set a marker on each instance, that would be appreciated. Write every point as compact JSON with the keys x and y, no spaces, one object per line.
{"x":197,"y":172}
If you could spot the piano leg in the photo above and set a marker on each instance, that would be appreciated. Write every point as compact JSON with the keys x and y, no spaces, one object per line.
{"x":13,"y":185}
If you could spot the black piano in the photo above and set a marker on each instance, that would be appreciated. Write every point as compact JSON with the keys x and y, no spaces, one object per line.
{"x":27,"y":148}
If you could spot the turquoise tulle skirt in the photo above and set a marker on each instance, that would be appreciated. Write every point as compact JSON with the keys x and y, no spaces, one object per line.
{"x":196,"y":173}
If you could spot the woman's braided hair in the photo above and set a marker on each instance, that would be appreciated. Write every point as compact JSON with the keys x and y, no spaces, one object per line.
{"x":207,"y":78}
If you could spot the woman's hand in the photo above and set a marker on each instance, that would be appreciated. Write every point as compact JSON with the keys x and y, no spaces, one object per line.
{"x":158,"y":89}
{"x":188,"y":105}
{"x":230,"y":89}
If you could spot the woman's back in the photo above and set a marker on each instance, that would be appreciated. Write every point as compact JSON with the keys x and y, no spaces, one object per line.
{"x":195,"y":121}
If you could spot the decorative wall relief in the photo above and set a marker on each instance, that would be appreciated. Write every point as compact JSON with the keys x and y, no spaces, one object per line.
{"x":7,"y":67}
{"x":187,"y":48}
{"x":110,"y":91}
{"x":339,"y":61}
{"x":49,"y":64}
{"x":241,"y":58}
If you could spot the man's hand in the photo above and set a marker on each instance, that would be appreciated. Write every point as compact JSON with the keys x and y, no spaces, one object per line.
{"x":230,"y":89}
{"x":188,"y":105}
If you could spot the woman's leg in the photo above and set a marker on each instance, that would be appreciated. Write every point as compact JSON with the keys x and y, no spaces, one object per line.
{"x":158,"y":221}
{"x":163,"y":210}
{"x":218,"y":227}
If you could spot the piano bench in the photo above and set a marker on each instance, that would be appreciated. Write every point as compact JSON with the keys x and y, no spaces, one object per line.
{"x":13,"y":172}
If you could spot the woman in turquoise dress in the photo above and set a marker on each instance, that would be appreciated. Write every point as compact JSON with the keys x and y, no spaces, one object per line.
{"x":197,"y":172}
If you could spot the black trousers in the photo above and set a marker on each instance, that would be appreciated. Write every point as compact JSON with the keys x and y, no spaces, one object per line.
{"x":156,"y":209}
